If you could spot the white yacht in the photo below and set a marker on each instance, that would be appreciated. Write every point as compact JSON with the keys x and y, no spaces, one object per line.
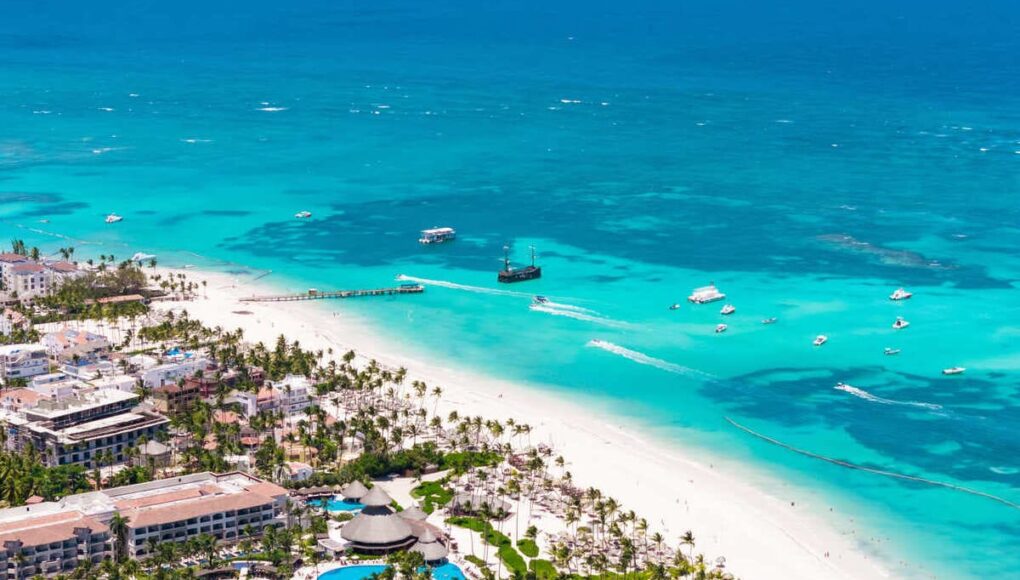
{"x":900,"y":323}
{"x":303,"y":215}
{"x":891,"y":351}
{"x":706,"y":294}
{"x":437,"y":235}
{"x":900,"y":294}
{"x":820,"y":340}
{"x":720,"y":328}
{"x":953,"y":371}
{"x":113,"y":218}
{"x":770,"y":320}
{"x":727,"y":310}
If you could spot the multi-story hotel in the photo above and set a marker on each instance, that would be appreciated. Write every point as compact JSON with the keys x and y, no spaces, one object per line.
{"x":52,"y":537}
{"x":22,"y":361}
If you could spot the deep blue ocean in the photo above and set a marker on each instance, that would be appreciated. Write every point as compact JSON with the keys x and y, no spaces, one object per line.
{"x":807,"y":157}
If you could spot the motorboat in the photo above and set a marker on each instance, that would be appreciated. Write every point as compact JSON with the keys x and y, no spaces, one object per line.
{"x":891,"y":351}
{"x":771,"y":320}
{"x":820,"y":340}
{"x":303,"y":215}
{"x":113,"y":218}
{"x":720,"y":328}
{"x":954,"y":371}
{"x":706,"y":294}
{"x":900,"y":323}
{"x":540,"y":300}
{"x":900,"y":294}
{"x":727,"y":310}
{"x":674,"y":307}
{"x":437,"y":235}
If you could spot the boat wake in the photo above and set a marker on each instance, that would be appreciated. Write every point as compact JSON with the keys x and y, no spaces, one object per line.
{"x":577,"y":313}
{"x":570,"y":307}
{"x":464,"y":287}
{"x":644,"y":359}
{"x":862,"y":394}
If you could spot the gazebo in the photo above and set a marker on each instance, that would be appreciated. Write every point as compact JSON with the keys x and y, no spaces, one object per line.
{"x":377,"y":529}
{"x":430,"y":548}
{"x":414,"y":513}
{"x":354,"y":491}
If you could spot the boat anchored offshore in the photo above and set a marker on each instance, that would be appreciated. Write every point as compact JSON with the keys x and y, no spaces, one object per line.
{"x":771,"y":320}
{"x":727,"y":310}
{"x":900,"y":294}
{"x":674,"y":307}
{"x":900,"y":323}
{"x":509,"y":275}
{"x":303,"y":215}
{"x":891,"y":351}
{"x":706,"y":294}
{"x":820,"y":340}
{"x":437,"y":235}
{"x":954,"y":371}
{"x":113,"y":218}
{"x":720,"y":328}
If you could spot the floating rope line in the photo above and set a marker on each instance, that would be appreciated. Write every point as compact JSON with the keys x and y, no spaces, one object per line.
{"x":871,"y":469}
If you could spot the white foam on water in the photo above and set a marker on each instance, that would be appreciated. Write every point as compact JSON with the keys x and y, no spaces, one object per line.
{"x":577,"y":315}
{"x":561,"y":306}
{"x":1004,"y":470}
{"x":862,"y":394}
{"x":644,"y":359}
{"x":271,"y":109}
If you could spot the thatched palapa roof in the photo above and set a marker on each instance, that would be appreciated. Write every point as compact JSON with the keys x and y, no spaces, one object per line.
{"x":430,"y":548}
{"x":354,"y":490}
{"x":414,"y":513}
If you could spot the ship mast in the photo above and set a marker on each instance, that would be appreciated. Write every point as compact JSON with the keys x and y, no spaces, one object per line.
{"x":532,"y":256}
{"x":506,"y":258}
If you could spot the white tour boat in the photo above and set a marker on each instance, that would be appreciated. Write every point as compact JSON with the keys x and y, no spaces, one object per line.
{"x":727,"y":310}
{"x":706,"y":294}
{"x":900,"y":294}
{"x":437,"y":235}
{"x":113,"y":218}
{"x":820,"y":340}
{"x":953,"y":371}
{"x":900,"y":323}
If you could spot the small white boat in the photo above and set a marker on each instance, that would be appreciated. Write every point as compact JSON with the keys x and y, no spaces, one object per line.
{"x":720,"y":328}
{"x":900,"y":294}
{"x":303,"y":215}
{"x":891,"y":351}
{"x":954,"y":371}
{"x":674,"y":307}
{"x":727,"y":310}
{"x":900,"y":323}
{"x":771,"y":320}
{"x":113,"y":218}
{"x":820,"y":340}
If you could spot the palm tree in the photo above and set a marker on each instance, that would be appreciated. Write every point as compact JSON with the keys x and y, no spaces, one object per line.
{"x":119,"y":529}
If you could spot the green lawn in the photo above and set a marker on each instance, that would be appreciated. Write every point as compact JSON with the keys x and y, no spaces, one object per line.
{"x":432,"y":495}
{"x":543,"y":569}
{"x":528,"y":547}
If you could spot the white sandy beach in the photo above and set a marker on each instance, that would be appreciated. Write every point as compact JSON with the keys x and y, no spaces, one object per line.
{"x":768,"y":530}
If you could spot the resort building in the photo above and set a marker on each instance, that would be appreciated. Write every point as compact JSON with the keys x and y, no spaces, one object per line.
{"x":22,"y":361}
{"x":68,"y":344}
{"x":170,"y":373}
{"x":173,"y":399}
{"x":291,"y":395}
{"x":50,"y":538}
{"x":12,"y":320}
{"x":90,"y":428}
{"x":377,"y":529}
{"x":28,"y":279}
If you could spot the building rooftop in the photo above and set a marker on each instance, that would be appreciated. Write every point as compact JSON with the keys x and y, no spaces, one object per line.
{"x":81,"y":401}
{"x":35,"y":530}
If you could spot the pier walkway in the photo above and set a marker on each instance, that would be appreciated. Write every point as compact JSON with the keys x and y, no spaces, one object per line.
{"x":337,"y":294}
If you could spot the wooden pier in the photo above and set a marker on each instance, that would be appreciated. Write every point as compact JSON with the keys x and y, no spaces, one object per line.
{"x":337,"y":294}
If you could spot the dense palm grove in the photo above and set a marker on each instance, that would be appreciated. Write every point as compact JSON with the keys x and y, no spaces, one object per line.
{"x":366,"y":421}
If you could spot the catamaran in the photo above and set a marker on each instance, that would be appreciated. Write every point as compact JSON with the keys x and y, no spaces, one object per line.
{"x":706,"y":294}
{"x":437,"y":235}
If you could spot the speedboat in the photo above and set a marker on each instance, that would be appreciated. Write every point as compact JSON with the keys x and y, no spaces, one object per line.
{"x":727,"y":310}
{"x":113,"y":218}
{"x":820,"y":340}
{"x":900,"y":294}
{"x":953,"y":371}
{"x":540,"y":300}
{"x":771,"y":320}
{"x":303,"y":215}
{"x":891,"y":351}
{"x":900,"y":323}
{"x":142,"y":257}
{"x":720,"y":328}
{"x":674,"y":307}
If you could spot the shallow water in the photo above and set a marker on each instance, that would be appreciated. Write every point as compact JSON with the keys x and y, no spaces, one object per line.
{"x":808,"y":161}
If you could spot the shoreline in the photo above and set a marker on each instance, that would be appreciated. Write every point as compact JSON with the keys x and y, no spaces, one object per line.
{"x":724,"y":503}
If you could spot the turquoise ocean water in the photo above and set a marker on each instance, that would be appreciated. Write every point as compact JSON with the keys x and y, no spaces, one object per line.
{"x":809,"y":159}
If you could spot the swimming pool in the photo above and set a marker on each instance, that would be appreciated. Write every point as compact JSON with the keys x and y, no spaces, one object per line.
{"x":447,"y":571}
{"x":337,"y":505}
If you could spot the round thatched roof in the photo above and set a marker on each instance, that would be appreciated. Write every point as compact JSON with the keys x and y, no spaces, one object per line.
{"x":430,"y":548}
{"x":376,"y":529}
{"x":414,"y":513}
{"x":376,"y":497}
{"x":354,"y":490}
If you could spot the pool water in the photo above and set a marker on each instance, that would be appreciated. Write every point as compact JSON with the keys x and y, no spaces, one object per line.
{"x":337,"y":505}
{"x":447,"y":571}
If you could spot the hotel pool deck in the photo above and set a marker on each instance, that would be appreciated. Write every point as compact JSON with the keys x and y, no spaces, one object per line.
{"x":447,"y":571}
{"x":336,"y":505}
